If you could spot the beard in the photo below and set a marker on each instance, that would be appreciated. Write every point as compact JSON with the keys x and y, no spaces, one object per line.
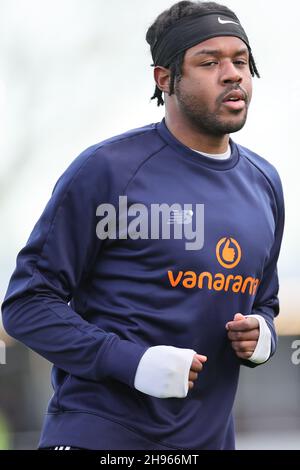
{"x":204,"y":120}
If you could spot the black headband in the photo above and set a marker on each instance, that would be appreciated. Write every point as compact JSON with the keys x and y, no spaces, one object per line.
{"x":189,"y":31}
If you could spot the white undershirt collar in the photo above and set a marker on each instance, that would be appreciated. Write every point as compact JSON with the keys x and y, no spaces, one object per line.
{"x":216,"y":156}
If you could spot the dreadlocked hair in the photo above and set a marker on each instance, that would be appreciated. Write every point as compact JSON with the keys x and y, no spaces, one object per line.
{"x":169,"y":17}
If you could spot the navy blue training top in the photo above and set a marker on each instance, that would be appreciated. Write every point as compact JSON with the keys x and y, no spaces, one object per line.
{"x":92,"y":307}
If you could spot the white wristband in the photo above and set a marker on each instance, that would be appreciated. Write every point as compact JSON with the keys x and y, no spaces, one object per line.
{"x":163,"y":372}
{"x":263,"y":348}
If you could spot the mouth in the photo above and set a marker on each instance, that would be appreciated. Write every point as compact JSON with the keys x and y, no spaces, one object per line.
{"x":235,"y":100}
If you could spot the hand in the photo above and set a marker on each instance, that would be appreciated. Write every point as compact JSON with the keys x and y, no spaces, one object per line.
{"x":197,"y":366}
{"x":162,"y":371}
{"x":243,"y":333}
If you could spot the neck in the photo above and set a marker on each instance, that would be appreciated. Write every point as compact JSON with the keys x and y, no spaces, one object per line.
{"x":195,"y":138}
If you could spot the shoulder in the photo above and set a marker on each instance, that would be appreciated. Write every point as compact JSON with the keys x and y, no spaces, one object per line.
{"x":113,"y":161}
{"x":265,"y":168}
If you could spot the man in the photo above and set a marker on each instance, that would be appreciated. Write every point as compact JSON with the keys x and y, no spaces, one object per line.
{"x":147,"y":319}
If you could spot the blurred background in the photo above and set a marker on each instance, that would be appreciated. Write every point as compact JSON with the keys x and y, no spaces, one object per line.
{"x":74,"y":72}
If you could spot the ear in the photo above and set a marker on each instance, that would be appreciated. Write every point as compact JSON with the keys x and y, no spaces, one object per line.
{"x":162,"y":78}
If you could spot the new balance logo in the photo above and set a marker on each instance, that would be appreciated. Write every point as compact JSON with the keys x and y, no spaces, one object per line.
{"x":181,"y":217}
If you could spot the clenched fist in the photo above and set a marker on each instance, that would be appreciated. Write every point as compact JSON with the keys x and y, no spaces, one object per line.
{"x":197,"y":366}
{"x":243,"y":332}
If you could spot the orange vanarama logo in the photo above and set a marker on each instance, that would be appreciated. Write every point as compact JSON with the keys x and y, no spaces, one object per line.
{"x":229,"y":254}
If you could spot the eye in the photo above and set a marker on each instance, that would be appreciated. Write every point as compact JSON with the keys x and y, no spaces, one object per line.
{"x":209,"y":64}
{"x":240,"y":62}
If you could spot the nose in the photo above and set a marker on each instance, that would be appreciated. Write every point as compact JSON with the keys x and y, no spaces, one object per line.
{"x":230,"y":73}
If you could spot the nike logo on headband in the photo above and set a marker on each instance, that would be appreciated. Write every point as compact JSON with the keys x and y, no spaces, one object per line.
{"x":225,"y":21}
